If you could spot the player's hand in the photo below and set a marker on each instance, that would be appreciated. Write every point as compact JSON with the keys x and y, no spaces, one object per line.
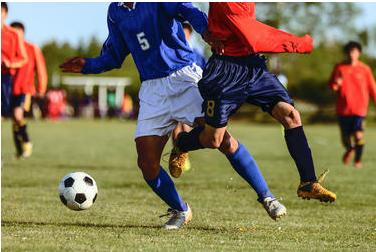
{"x":217,"y":44}
{"x":339,"y":81}
{"x":40,"y":95}
{"x":73,"y":65}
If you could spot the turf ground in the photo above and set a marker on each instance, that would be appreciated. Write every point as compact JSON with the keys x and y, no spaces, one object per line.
{"x":226,"y":216}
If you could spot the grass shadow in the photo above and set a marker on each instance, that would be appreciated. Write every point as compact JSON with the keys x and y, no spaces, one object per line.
{"x":78,"y":224}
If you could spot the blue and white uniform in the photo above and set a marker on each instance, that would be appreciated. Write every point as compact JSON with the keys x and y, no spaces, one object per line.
{"x":152,"y":33}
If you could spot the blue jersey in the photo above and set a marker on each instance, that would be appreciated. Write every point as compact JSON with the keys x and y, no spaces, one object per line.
{"x":200,"y":58}
{"x":152,"y":33}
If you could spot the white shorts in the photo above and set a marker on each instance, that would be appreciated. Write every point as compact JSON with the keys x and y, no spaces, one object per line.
{"x":168,"y":100}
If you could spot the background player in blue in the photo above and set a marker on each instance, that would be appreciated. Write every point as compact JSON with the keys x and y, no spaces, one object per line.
{"x":152,"y":33}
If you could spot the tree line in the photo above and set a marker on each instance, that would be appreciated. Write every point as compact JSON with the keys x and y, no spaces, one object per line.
{"x":330,"y":24}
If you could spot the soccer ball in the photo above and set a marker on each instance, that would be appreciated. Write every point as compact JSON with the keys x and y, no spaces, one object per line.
{"x":78,"y":191}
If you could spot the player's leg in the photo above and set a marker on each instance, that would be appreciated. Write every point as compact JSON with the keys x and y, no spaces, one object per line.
{"x":6,"y":89}
{"x":298,"y":147}
{"x":149,"y":149}
{"x":181,"y":127}
{"x":359,"y":141}
{"x":345,"y":123}
{"x":214,"y":134}
{"x":296,"y":140}
{"x":268,"y":93}
{"x":21,"y":103}
{"x":17,"y":137}
{"x":240,"y":159}
{"x":154,"y":124}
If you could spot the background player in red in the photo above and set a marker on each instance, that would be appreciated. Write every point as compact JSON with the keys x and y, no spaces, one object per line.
{"x":239,"y":75}
{"x":23,"y":89}
{"x":13,"y":55}
{"x":353,"y":82}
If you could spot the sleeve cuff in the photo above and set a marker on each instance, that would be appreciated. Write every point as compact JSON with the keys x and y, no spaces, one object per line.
{"x":87,"y":67}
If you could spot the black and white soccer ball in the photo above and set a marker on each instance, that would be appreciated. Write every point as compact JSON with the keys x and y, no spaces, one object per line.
{"x":78,"y":191}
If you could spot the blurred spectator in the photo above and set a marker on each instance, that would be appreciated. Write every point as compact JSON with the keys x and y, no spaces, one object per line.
{"x":56,"y":103}
{"x":127,"y":106}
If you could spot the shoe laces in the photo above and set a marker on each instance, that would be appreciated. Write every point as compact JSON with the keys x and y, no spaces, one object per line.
{"x":270,"y":202}
{"x":322,"y":176}
{"x":169,"y":212}
{"x":318,"y":186}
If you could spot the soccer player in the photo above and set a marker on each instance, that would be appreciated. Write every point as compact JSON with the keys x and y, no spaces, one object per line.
{"x":13,"y":55}
{"x":152,"y":33}
{"x":23,"y":89}
{"x":353,"y":82}
{"x":240,"y":75}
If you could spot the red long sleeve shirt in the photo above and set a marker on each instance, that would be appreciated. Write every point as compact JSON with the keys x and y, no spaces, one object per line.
{"x":245,"y":35}
{"x":12,"y":49}
{"x":357,"y":85}
{"x":23,"y":80}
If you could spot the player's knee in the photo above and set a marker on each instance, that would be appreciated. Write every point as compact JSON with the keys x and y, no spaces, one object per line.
{"x":359,"y":139}
{"x":227,"y":146}
{"x":150,"y":169}
{"x":213,"y":143}
{"x":18,"y":115}
{"x":291,"y":119}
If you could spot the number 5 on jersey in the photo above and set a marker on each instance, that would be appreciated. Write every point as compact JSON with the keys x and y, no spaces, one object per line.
{"x":143,"y":41}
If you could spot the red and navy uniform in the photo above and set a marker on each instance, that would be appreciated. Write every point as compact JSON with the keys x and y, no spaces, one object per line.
{"x":241,"y":75}
{"x":352,"y":95}
{"x":13,"y":52}
{"x":23,"y":79}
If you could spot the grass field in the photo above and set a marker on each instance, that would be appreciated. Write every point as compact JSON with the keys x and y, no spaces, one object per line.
{"x":226,"y":215}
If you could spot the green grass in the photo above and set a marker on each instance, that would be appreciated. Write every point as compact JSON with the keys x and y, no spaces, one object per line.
{"x":226,"y":217}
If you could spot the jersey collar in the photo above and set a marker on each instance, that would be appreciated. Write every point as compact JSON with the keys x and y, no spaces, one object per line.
{"x":125,"y":6}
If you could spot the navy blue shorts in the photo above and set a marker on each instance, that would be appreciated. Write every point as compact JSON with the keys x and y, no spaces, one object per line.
{"x":22,"y":100}
{"x":350,"y":124}
{"x":228,"y":82}
{"x":6,"y":89}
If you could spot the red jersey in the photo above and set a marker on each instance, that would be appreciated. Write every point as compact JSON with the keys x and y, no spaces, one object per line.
{"x":12,"y":49}
{"x":357,"y":84}
{"x":23,"y":80}
{"x":237,"y":23}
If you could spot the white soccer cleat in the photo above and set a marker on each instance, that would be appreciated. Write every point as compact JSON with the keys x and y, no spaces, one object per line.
{"x":178,"y":219}
{"x":275,"y":209}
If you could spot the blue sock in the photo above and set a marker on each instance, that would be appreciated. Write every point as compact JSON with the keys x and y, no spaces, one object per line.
{"x":301,"y":153}
{"x":244,"y":164}
{"x":164,"y":187}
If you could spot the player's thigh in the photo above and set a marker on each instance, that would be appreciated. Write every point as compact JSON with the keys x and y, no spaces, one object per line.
{"x":19,"y":104}
{"x":267,"y":91}
{"x":344,"y":123}
{"x":222,"y":87}
{"x":185,"y":101}
{"x":149,"y":150}
{"x":6,"y":89}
